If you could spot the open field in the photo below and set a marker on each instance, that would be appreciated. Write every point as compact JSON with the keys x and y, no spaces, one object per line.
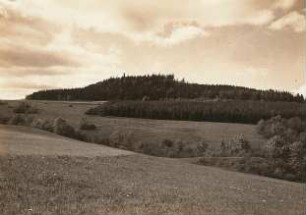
{"x":144,"y":130}
{"x":105,"y":182}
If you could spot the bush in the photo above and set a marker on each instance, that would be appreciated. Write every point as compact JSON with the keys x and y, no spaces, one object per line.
{"x":167,"y":143}
{"x":79,"y":135}
{"x":4,"y":119}
{"x":123,"y":140}
{"x":43,"y":124}
{"x":25,"y":108}
{"x":61,"y":127}
{"x":17,"y":120}
{"x":284,"y":147}
{"x":103,"y":141}
{"x":295,"y":123}
{"x":3,"y":102}
{"x":237,"y":146}
{"x":174,"y":149}
{"x":87,"y":126}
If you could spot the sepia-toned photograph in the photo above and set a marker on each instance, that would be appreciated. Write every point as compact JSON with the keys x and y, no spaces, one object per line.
{"x":152,"y":107}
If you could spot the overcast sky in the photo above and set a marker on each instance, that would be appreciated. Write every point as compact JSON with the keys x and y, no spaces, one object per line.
{"x":70,"y":43}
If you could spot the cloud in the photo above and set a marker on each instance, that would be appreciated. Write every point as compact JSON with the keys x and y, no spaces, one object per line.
{"x":74,"y":43}
{"x":293,"y":20}
{"x":27,"y":57}
{"x":25,"y":85}
{"x":146,"y":16}
{"x":25,"y":28}
{"x":185,"y":33}
{"x":16,"y":71}
{"x":175,"y":37}
{"x":259,"y":18}
{"x":284,"y":4}
{"x":3,"y":13}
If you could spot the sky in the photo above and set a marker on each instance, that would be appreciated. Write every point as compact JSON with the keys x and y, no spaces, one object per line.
{"x":72,"y":43}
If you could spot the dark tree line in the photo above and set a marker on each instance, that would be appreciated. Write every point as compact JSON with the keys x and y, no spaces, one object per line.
{"x":238,"y":111}
{"x":157,"y":87}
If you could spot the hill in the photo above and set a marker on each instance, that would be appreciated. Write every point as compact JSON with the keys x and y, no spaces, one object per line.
{"x":156,"y":87}
{"x":91,"y":183}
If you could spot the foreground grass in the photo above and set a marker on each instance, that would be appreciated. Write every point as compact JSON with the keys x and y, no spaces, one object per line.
{"x":137,"y":184}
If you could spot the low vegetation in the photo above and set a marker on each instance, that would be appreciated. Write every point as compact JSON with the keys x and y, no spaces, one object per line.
{"x":4,"y":119}
{"x":25,"y":108}
{"x":212,"y":111}
{"x":58,"y":125}
{"x":278,"y":156}
{"x":167,"y":148}
{"x":237,"y":146}
{"x":84,"y":125}
{"x":175,"y":149}
{"x":282,"y":156}
{"x":3,"y":102}
{"x":285,"y":146}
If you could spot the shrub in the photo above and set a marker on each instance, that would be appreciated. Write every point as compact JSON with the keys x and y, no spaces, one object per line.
{"x":284,"y":147}
{"x":17,"y":120}
{"x":3,"y":102}
{"x":61,"y":127}
{"x":123,"y":139}
{"x":174,"y":149}
{"x":202,"y":147}
{"x":43,"y":124}
{"x":103,"y":141}
{"x":25,"y":108}
{"x":4,"y":119}
{"x":87,"y":126}
{"x":79,"y":135}
{"x":237,"y":146}
{"x":28,"y":119}
{"x":167,"y":143}
{"x":295,"y":123}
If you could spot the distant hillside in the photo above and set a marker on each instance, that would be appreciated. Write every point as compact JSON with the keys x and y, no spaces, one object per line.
{"x":156,"y":87}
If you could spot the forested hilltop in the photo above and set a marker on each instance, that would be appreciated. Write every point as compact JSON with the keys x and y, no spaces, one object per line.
{"x":157,"y":87}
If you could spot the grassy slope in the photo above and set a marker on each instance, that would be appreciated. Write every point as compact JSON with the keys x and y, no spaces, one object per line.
{"x":130,"y":183}
{"x":152,"y":131}
{"x":19,"y":140}
{"x":54,"y":182}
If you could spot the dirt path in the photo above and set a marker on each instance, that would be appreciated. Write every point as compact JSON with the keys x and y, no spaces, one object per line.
{"x":28,"y":141}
